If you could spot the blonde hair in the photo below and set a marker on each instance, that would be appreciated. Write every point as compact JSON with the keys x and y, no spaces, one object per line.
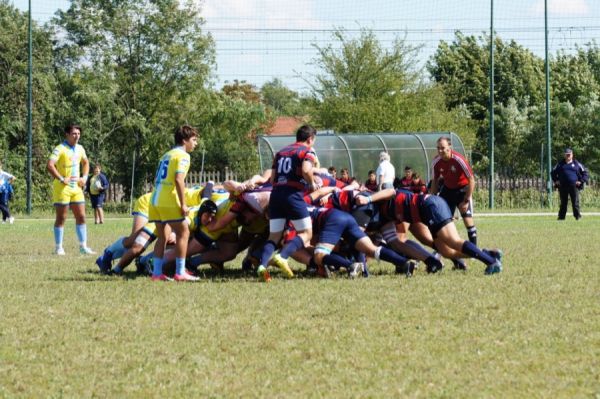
{"x":384,"y":156}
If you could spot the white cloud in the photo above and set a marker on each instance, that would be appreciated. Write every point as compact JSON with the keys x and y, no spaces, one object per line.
{"x":562,"y":8}
{"x":270,"y":14}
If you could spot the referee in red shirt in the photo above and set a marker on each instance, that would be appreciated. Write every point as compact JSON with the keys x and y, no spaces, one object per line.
{"x":458,"y":183}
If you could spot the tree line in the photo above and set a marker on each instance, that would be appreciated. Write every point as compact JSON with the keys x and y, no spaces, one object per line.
{"x":129,"y":72}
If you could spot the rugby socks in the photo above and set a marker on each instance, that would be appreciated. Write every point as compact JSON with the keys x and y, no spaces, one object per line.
{"x":158,"y":264}
{"x":58,"y":236}
{"x":81,"y":234}
{"x":116,"y":248}
{"x":117,"y":270}
{"x":179,"y":266}
{"x":291,"y":247}
{"x":388,"y":255}
{"x":470,"y":249}
{"x":336,"y":261}
{"x":144,"y":259}
{"x":472,"y":233}
{"x":267,"y":252}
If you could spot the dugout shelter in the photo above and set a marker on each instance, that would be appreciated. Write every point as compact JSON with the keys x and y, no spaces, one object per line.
{"x":360,"y":152}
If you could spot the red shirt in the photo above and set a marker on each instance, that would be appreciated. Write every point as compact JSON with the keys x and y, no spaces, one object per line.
{"x":456,"y":171}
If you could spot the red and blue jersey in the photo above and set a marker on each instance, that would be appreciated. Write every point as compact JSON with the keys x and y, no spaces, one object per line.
{"x":403,"y":207}
{"x":287,"y":165}
{"x":455,"y":171}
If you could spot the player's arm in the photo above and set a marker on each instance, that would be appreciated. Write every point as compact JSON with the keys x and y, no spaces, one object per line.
{"x":180,"y":189}
{"x":307,"y":174}
{"x":470,"y":189}
{"x":220,"y":223}
{"x":85,"y":170}
{"x":378,"y":196}
{"x":51,"y":168}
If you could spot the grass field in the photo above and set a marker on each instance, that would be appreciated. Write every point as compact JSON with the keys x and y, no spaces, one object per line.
{"x":532,"y":331}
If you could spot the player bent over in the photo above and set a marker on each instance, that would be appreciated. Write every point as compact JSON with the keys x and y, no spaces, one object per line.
{"x":168,"y":208}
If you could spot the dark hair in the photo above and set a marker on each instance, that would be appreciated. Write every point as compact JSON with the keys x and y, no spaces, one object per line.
{"x":97,"y":165}
{"x":407,"y":168}
{"x":446,"y":139}
{"x":331,"y":169}
{"x":371,"y":172}
{"x":207,"y":206}
{"x":183,"y":133}
{"x":345,"y":170}
{"x":305,"y":132}
{"x":71,"y":127}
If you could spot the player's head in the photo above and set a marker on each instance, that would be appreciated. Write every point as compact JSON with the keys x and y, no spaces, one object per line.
{"x":184,"y":133}
{"x":207,"y":212}
{"x":444,"y":147}
{"x":72,"y":133}
{"x":306,"y":133}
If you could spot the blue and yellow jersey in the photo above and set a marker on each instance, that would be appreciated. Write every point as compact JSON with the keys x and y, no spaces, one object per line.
{"x":224,"y":204}
{"x":67,"y":160}
{"x":142,"y":206}
{"x":172,"y":163}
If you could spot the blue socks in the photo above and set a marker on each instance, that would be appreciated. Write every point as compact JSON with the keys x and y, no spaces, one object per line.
{"x":117,"y":248}
{"x":267,"y":252}
{"x":472,"y":233}
{"x":158,"y":264}
{"x":291,"y":247}
{"x":58,"y":236}
{"x":81,"y":234}
{"x":470,"y":249}
{"x":336,"y":261}
{"x":179,"y":266}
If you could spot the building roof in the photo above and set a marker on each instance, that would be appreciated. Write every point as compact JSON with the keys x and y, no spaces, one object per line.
{"x":285,"y":125}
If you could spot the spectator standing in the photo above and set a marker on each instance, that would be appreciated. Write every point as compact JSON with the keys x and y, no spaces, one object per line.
{"x":67,"y":161}
{"x":96,"y":186}
{"x":386,"y":173}
{"x":6,"y":192}
{"x":570,"y":176}
{"x":458,"y":183}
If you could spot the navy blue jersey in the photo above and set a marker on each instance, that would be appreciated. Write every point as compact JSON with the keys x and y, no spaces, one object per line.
{"x":287,"y":165}
{"x":569,"y":173}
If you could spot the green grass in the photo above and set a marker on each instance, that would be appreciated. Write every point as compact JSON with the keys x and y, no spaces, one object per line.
{"x":532,"y":331}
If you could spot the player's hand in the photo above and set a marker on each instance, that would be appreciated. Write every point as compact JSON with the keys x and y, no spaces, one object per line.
{"x":463,"y":206}
{"x":184,"y":210}
{"x":577,"y":183}
{"x":81,"y":182}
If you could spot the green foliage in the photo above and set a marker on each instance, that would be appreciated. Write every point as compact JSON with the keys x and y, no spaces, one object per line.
{"x":281,"y":99}
{"x":365,"y":88}
{"x":531,"y":331}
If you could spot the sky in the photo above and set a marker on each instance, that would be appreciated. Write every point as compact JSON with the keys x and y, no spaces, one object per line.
{"x":259,"y":40}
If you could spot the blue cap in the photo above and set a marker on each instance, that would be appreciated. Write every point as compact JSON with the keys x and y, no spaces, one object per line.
{"x":568,"y":151}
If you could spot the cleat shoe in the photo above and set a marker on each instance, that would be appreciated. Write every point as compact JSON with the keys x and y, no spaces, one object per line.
{"x":101,"y":265}
{"x":161,"y":277}
{"x":186,"y":277}
{"x":86,"y":251}
{"x":247,"y":265}
{"x":355,"y":269}
{"x":459,"y":264}
{"x":407,"y":268}
{"x":434,"y":267}
{"x":263,"y":274}
{"x":139,"y":268}
{"x":283,"y":265}
{"x":11,"y":220}
{"x":494,"y":268}
{"x":59,"y":251}
{"x":149,"y":266}
{"x":496,"y":253}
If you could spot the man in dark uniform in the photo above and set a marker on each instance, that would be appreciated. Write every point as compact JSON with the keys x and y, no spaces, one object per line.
{"x":570,"y":176}
{"x":458,"y":183}
{"x":292,"y":174}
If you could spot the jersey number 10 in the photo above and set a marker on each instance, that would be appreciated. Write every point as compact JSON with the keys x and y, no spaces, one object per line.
{"x":284,"y":165}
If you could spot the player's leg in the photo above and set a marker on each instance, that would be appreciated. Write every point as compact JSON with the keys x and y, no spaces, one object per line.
{"x":142,"y":241}
{"x":59,"y":227}
{"x":182,"y":234}
{"x":100,"y":209}
{"x":466,"y":212}
{"x":78,"y":209}
{"x":564,"y":202}
{"x":574,"y":194}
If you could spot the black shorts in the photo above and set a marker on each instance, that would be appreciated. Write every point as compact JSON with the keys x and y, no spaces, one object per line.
{"x":453,"y":197}
{"x":97,"y":200}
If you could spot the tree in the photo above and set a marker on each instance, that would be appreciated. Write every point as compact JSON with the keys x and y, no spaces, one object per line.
{"x":13,"y":100}
{"x":281,"y":99}
{"x":150,"y":59}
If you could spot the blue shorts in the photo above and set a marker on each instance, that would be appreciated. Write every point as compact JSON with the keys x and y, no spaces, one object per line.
{"x":340,"y":224}
{"x":97,"y":200}
{"x":435,"y":213}
{"x":287,"y":203}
